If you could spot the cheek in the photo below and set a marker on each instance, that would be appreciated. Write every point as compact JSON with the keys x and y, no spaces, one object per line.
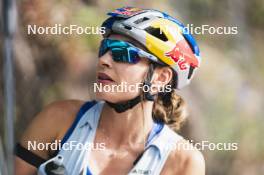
{"x":131,"y":74}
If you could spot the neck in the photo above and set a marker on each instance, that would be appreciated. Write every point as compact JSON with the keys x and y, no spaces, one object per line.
{"x":129,"y":127}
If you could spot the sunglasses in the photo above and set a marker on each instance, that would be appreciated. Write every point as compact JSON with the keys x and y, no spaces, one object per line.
{"x":124,"y":52}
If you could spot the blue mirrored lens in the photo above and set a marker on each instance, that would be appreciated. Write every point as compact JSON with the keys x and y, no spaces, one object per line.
{"x":103,"y":48}
{"x":121,"y":51}
{"x":134,"y":57}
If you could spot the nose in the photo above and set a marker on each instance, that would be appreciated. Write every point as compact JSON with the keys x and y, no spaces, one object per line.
{"x":106,"y":60}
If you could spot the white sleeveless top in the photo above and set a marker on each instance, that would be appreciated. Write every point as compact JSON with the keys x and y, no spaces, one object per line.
{"x":83,"y":131}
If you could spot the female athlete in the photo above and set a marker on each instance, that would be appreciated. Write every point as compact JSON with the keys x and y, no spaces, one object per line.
{"x":129,"y":132}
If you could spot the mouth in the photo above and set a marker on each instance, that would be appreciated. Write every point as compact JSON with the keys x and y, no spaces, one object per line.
{"x":104,"y":78}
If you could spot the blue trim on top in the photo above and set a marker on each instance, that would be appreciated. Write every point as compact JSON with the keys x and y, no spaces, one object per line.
{"x":154,"y":131}
{"x":86,"y":106}
{"x":88,"y":172}
{"x":83,"y":109}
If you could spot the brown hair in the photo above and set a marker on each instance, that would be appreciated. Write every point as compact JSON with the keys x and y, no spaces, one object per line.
{"x":170,"y":108}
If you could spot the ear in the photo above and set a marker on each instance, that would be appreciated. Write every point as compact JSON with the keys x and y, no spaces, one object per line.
{"x":161,"y":77}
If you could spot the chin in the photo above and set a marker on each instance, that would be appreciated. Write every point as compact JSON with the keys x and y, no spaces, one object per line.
{"x":107,"y":96}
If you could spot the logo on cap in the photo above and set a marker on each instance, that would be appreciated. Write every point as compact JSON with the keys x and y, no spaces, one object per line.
{"x":183,"y":55}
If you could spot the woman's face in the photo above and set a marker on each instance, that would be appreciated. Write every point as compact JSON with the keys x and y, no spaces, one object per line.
{"x":111,"y":75}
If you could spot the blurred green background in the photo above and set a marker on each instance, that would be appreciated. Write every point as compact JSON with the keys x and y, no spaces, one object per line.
{"x":225,"y":99}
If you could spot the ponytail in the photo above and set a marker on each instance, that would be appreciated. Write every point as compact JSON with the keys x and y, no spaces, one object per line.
{"x":170,"y":108}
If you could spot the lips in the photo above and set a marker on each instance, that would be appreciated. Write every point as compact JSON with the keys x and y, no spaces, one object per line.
{"x":104,"y":78}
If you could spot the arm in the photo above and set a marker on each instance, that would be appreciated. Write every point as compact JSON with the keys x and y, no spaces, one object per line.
{"x":194,"y":164}
{"x":23,"y":168}
{"x":49,"y":125}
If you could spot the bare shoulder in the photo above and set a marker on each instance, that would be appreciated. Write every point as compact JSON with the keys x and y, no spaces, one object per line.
{"x":185,"y":159}
{"x":52,"y":122}
{"x":61,"y":109}
{"x":193,"y":159}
